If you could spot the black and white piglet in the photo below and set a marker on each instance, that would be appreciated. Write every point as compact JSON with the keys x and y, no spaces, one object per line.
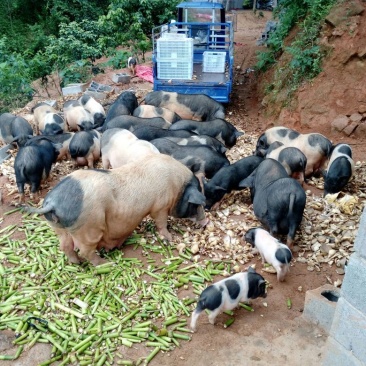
{"x":340,"y":169}
{"x":271,"y":250}
{"x":227,"y":293}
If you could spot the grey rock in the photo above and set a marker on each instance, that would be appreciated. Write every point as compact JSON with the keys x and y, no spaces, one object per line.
{"x":339,"y":123}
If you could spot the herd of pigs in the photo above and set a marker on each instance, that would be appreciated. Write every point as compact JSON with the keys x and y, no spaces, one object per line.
{"x":167,"y":158}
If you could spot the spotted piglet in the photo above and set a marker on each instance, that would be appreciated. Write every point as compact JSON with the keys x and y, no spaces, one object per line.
{"x":271,"y":250}
{"x":227,"y":293}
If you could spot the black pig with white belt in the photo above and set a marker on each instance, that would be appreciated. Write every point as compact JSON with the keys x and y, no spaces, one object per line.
{"x":199,"y":107}
{"x":227,"y":293}
{"x":340,"y":169}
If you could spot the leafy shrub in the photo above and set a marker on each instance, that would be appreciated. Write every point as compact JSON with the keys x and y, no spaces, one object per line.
{"x":305,"y":54}
{"x":15,"y":80}
{"x":78,"y":72}
{"x":118,"y":59}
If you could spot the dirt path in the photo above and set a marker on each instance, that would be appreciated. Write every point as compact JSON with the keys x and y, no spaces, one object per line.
{"x":272,"y":334}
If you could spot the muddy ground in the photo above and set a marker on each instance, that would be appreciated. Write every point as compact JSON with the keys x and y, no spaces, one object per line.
{"x":273,"y":333}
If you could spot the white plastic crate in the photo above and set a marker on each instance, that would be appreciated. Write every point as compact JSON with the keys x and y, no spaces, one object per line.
{"x":174,"y":48}
{"x":173,"y":35}
{"x":214,"y":61}
{"x":182,"y":70}
{"x":175,"y":58}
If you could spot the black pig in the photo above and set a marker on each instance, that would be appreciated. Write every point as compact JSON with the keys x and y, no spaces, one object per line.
{"x":220,"y":129}
{"x":131,"y":123}
{"x":33,"y":164}
{"x":340,"y":169}
{"x":228,"y":178}
{"x":278,"y":200}
{"x":126,"y":103}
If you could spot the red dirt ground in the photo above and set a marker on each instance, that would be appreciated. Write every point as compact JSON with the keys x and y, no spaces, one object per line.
{"x":212,"y":345}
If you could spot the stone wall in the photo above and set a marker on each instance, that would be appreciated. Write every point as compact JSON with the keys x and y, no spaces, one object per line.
{"x":346,"y":344}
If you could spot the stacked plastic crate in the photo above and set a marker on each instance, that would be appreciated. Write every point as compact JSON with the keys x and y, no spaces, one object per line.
{"x":214,"y":61}
{"x":175,"y":56}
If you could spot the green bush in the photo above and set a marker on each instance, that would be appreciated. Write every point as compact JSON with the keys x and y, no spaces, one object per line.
{"x":118,"y":60}
{"x":15,"y":80}
{"x":304,"y":53}
{"x":78,"y":72}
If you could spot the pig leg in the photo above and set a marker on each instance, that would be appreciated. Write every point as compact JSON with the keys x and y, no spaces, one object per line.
{"x":90,"y":160}
{"x":87,"y":242}
{"x":161,"y":219}
{"x":105,"y":162}
{"x":34,"y":188}
{"x":213,"y":315}
{"x":194,"y":319}
{"x":88,"y":252}
{"x":67,"y":246}
{"x":21,"y":193}
{"x":281,"y":272}
{"x":290,"y":241}
{"x":291,"y":235}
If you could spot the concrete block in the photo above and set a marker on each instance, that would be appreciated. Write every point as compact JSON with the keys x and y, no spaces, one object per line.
{"x":99,"y":91}
{"x":349,"y":329}
{"x":360,"y":242}
{"x":121,"y":78}
{"x":354,"y":283}
{"x":74,"y":88}
{"x":320,"y":305}
{"x":336,"y":355}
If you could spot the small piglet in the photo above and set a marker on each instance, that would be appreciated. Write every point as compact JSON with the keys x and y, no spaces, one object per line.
{"x":131,"y":64}
{"x":271,"y":250}
{"x":84,"y":148}
{"x":77,"y":117}
{"x":14,"y":129}
{"x":227,"y":293}
{"x":47,"y":120}
{"x":94,"y":108}
{"x":340,"y":169}
{"x":125,"y":104}
{"x":33,"y":164}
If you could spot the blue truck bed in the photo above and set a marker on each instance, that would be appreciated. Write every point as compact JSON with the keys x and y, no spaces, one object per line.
{"x":208,"y":39}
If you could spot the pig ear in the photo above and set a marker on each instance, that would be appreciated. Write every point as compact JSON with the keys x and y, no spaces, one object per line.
{"x":261,"y":282}
{"x":251,"y":269}
{"x":57,"y":146}
{"x":247,"y":182}
{"x":196,"y":197}
{"x":323,"y":173}
{"x":238,"y":133}
{"x":218,"y":188}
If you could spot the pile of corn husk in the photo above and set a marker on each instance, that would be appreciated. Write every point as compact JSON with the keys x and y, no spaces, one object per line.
{"x":325,"y":238}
